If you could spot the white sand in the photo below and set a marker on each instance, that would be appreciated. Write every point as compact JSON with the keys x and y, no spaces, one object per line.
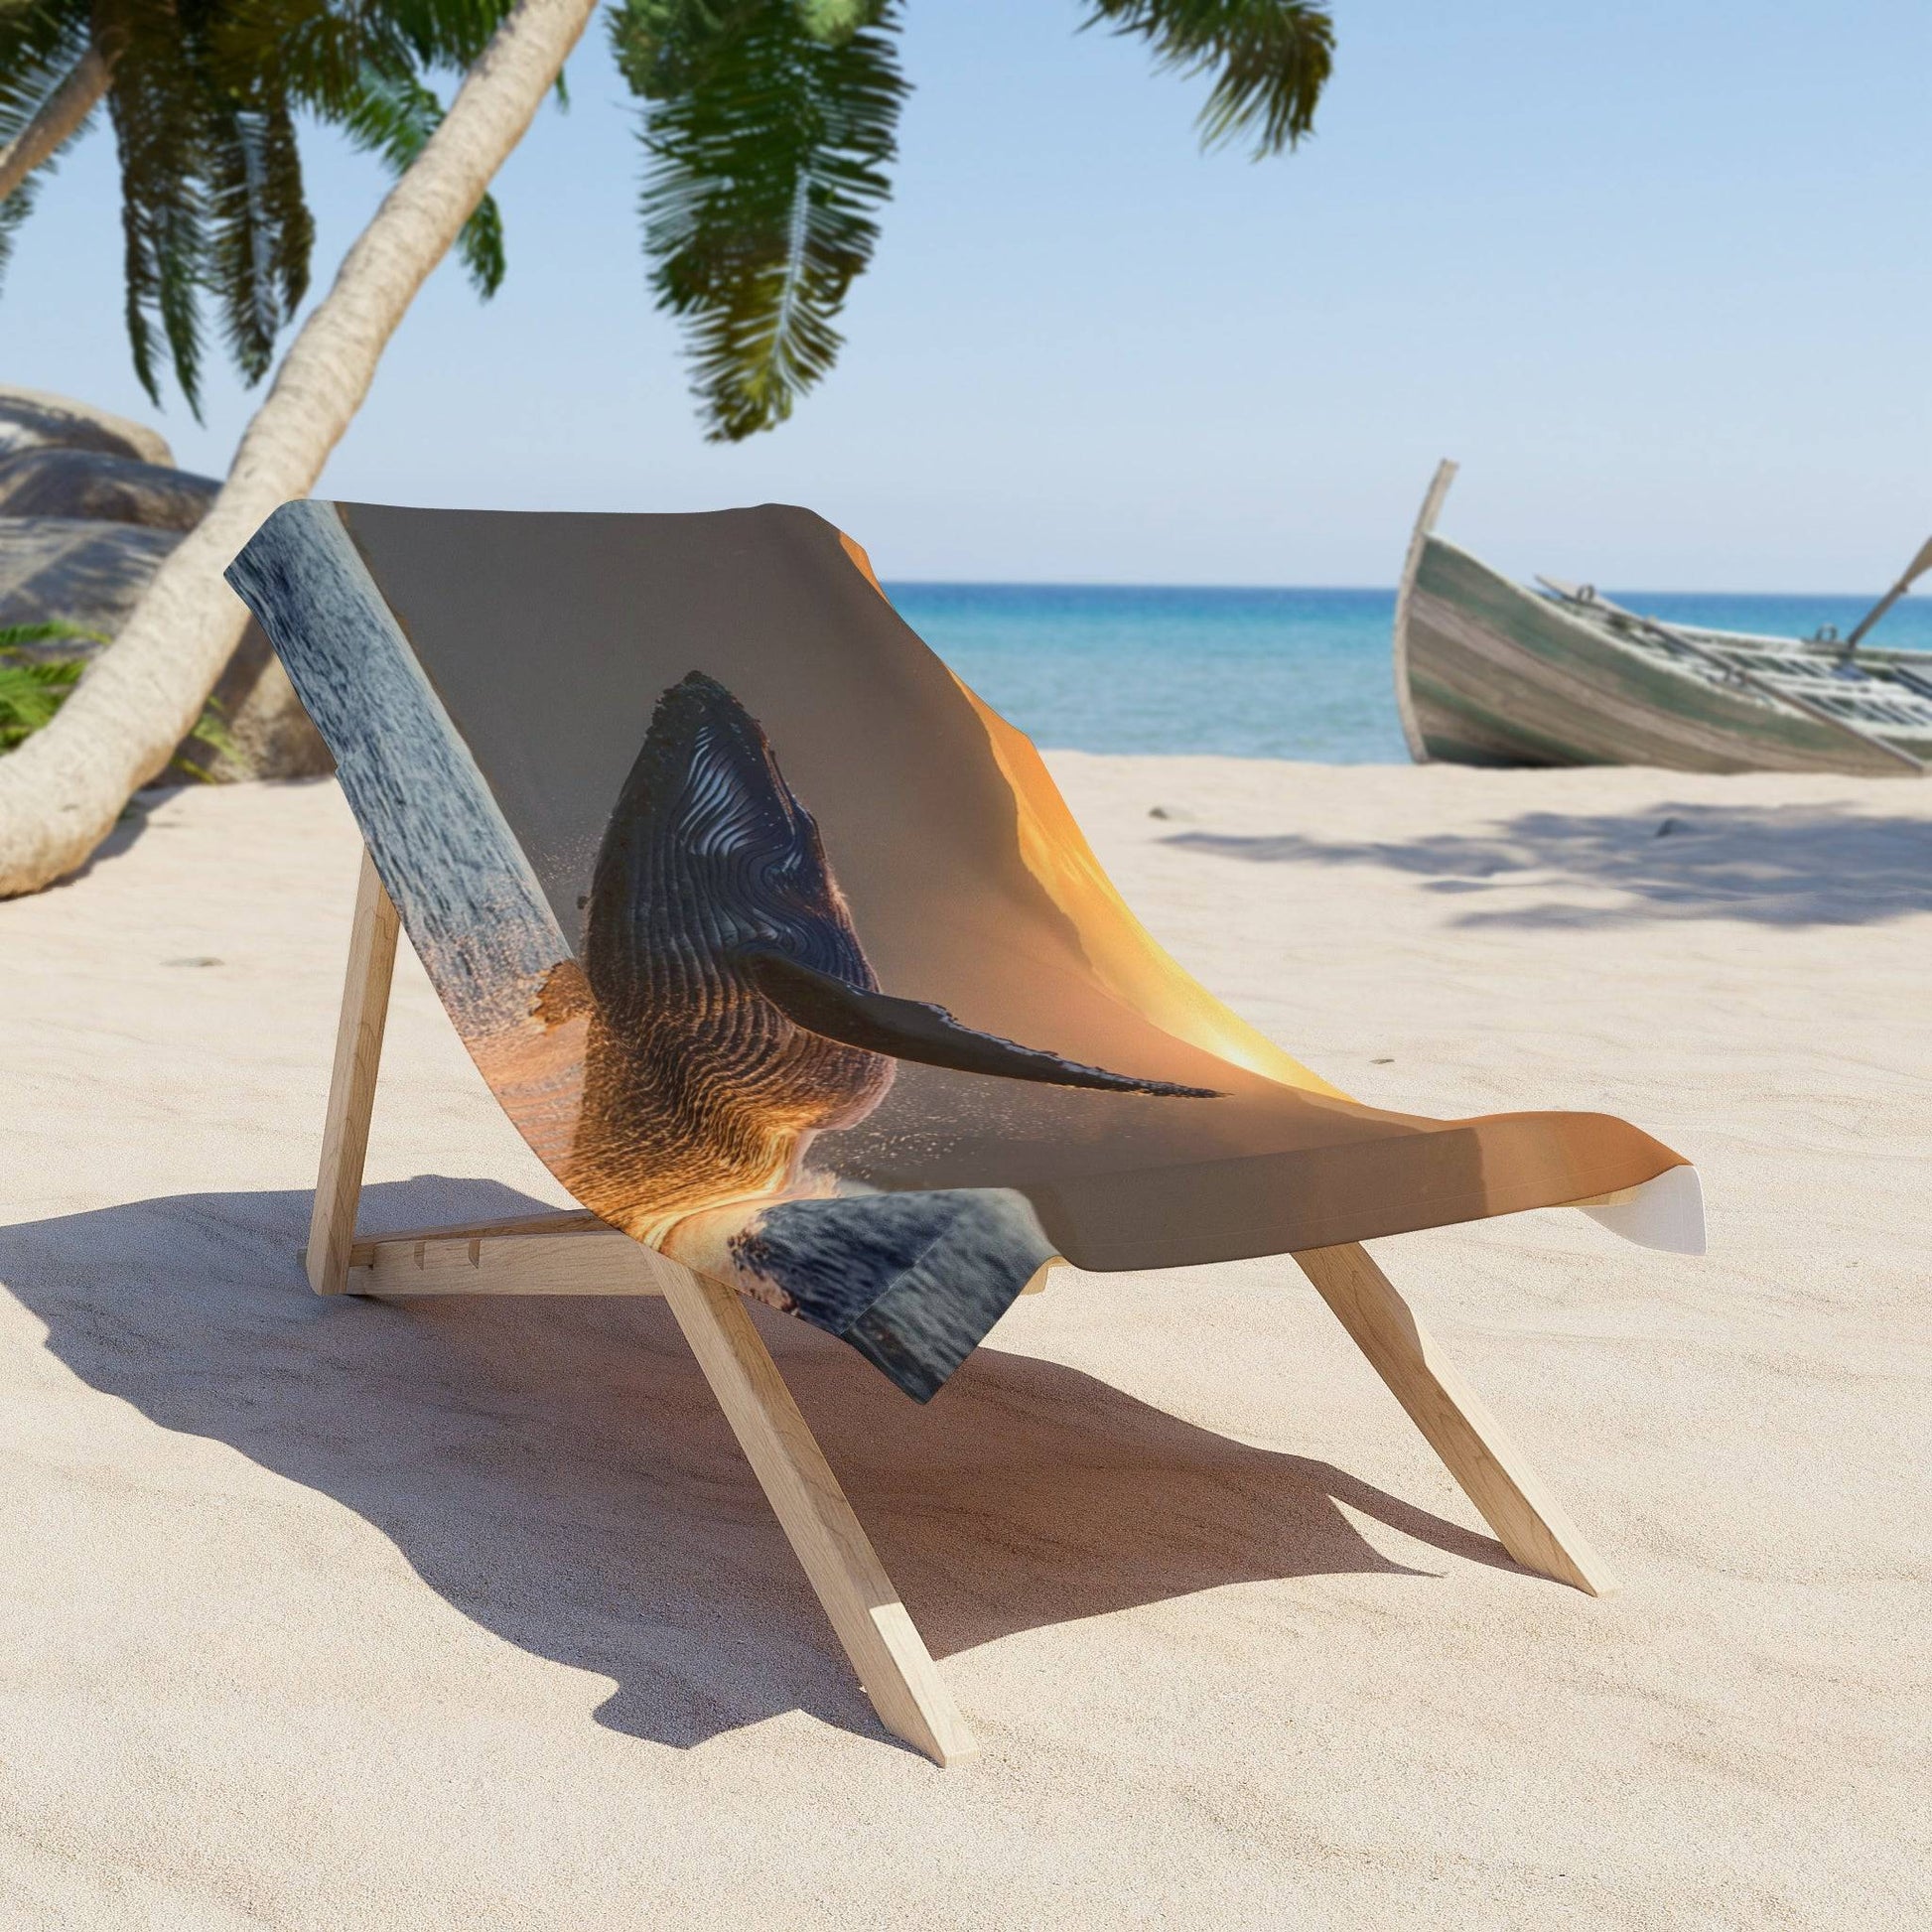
{"x":468,"y":1615}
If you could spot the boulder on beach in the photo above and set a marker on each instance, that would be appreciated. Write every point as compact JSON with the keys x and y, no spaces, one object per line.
{"x":90,"y":483}
{"x":33,"y":419}
{"x":89,"y":505}
{"x":76,"y":570}
{"x":93,"y":574}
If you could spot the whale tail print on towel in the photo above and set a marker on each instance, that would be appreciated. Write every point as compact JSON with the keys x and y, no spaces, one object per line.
{"x":732,"y":1016}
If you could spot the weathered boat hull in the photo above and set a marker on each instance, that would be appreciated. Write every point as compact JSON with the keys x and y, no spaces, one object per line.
{"x":1498,"y":676}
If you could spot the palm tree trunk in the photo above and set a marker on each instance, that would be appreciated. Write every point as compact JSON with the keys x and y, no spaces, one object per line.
{"x":61,"y":113}
{"x":63,"y":789}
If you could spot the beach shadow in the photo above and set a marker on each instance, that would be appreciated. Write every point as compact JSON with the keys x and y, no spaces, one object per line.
{"x":132,"y":826}
{"x":1764,"y":865}
{"x":556,"y":1469}
{"x":126,"y":834}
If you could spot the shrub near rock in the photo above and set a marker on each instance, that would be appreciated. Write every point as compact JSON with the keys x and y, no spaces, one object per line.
{"x":89,"y":505}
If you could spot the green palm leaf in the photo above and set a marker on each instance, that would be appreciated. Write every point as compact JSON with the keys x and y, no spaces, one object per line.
{"x":361,"y":70}
{"x":1269,"y":59}
{"x":12,"y":212}
{"x":33,"y":688}
{"x":31,"y":692}
{"x":260,"y":231}
{"x":35,"y":685}
{"x":393,"y":114}
{"x":159,"y":105}
{"x":768,"y":125}
{"x":39,"y":46}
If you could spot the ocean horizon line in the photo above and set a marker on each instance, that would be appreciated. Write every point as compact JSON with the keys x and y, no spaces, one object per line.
{"x":1620,"y":594}
{"x":1304,"y":672}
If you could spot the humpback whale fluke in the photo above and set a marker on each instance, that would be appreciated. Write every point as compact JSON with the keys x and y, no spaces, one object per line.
{"x":733,"y":1009}
{"x":916,"y":1029}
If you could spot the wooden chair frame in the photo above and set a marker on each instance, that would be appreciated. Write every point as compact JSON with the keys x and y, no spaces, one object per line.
{"x":578,"y":1254}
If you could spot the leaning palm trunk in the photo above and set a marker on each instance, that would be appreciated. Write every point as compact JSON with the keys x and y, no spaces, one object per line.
{"x":60,"y":114}
{"x":63,"y":789}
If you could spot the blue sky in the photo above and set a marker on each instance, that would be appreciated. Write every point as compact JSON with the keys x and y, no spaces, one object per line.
{"x":1657,"y":274}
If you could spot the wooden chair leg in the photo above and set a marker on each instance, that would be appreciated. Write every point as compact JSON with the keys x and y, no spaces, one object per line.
{"x":894,"y":1665}
{"x":1528,"y":1520}
{"x":352,"y":1086}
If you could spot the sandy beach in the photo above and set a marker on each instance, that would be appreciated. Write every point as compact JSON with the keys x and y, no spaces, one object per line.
{"x":461,"y":1615}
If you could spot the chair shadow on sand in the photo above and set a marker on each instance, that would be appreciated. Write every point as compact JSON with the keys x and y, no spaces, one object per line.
{"x":1780,"y":865}
{"x":557,"y":1471}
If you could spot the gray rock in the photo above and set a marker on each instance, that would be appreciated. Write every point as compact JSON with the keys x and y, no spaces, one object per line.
{"x":91,"y":485}
{"x":89,"y":505}
{"x":93,"y":574}
{"x":88,"y":572}
{"x":31,"y":419}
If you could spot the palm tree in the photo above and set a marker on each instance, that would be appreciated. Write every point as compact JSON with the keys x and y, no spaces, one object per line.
{"x":203,"y":98}
{"x":768,"y":125}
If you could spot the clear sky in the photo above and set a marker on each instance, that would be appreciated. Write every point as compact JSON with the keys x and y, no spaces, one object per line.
{"x":1657,"y":273}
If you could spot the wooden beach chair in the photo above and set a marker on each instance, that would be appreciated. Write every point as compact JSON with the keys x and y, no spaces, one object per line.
{"x":783,"y":953}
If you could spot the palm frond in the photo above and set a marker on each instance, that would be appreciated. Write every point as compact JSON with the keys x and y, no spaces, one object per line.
{"x":832,"y":20}
{"x":260,"y":231}
{"x":40,"y":45}
{"x":31,"y":690}
{"x":448,"y":34}
{"x":320,"y":46}
{"x":158,"y":104}
{"x":208,"y":745}
{"x":392,"y":113}
{"x":12,"y":212}
{"x":360,"y":67}
{"x":768,"y":125}
{"x":1270,"y":58}
{"x":315,"y":50}
{"x":49,"y":631}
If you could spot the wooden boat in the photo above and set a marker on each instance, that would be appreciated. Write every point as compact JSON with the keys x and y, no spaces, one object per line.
{"x":1490,"y":672}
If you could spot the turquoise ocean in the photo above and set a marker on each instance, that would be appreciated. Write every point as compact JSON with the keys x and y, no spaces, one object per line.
{"x":1249,"y":673}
